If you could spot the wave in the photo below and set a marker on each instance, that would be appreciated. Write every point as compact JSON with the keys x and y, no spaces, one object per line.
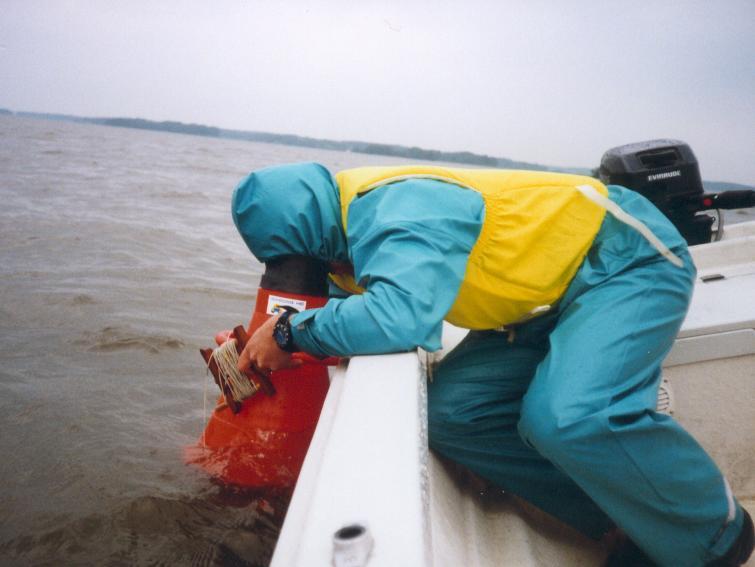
{"x":116,"y":338}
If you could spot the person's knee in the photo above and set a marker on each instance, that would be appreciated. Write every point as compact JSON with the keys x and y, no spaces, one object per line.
{"x":538,"y":426}
{"x":557,"y":432}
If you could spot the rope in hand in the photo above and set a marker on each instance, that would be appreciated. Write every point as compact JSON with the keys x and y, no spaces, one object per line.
{"x":226,"y":358}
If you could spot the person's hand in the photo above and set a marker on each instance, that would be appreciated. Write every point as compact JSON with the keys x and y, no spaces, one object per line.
{"x":262,"y":353}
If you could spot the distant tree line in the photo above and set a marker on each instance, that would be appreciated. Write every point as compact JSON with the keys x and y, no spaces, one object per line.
{"x":165,"y":126}
{"x":393,"y":150}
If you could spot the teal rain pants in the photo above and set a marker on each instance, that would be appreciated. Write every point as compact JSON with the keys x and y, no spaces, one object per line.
{"x":564,"y":415}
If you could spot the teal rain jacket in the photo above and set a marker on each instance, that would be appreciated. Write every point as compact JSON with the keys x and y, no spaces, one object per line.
{"x":408,"y":242}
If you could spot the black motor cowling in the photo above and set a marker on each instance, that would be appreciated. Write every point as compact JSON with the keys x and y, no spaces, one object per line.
{"x":667,"y":173}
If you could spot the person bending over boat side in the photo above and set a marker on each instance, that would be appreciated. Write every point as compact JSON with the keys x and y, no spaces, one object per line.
{"x":574,"y":293}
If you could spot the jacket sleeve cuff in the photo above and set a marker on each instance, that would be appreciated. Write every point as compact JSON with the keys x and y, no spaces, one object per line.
{"x":302,"y":334}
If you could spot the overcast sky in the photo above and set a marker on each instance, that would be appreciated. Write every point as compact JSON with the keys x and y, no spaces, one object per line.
{"x":554,"y":82}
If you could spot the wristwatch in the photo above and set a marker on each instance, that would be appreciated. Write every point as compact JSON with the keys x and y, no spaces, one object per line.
{"x":282,"y":330}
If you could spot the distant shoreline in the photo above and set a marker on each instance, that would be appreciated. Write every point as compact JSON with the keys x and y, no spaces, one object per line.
{"x":392,"y":150}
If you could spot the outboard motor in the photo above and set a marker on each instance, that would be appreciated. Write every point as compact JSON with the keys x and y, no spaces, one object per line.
{"x":262,"y":440}
{"x":667,"y":173}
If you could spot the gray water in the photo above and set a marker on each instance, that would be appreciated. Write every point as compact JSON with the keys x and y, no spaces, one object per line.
{"x":118,"y":261}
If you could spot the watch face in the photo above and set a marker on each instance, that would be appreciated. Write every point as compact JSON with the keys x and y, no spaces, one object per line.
{"x":280,"y":336}
{"x":282,"y":332}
